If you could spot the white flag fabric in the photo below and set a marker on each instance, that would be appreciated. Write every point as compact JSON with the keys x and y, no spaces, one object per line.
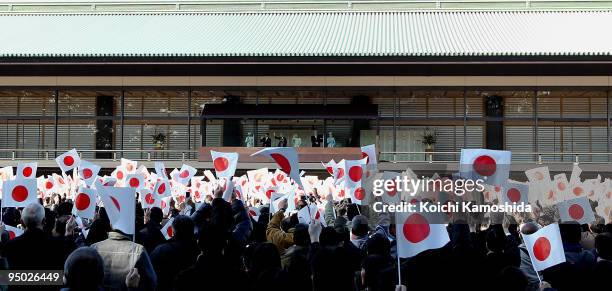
{"x":129,"y":165}
{"x":13,"y":232}
{"x":120,"y":206}
{"x":224,"y":163}
{"x":415,"y":234}
{"x":545,"y":247}
{"x":515,"y":192}
{"x":309,"y":213}
{"x":490,"y":165}
{"x":392,"y":196}
{"x":330,"y":167}
{"x":160,"y":170}
{"x":167,"y":230}
{"x":85,"y":203}
{"x":26,"y":170}
{"x":577,"y":209}
{"x":369,"y":154}
{"x":68,"y":160}
{"x":540,"y":180}
{"x":88,"y":172}
{"x":562,"y":186}
{"x":286,"y":159}
{"x":185,"y":174}
{"x":228,"y":188}
{"x":19,"y":192}
{"x":254,"y":213}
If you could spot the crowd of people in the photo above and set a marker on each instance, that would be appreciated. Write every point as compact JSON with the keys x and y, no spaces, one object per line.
{"x":219,"y":246}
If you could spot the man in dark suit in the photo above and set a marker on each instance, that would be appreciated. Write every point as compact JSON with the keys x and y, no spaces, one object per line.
{"x":266,"y":141}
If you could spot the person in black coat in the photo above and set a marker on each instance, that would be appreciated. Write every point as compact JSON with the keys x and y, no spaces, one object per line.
{"x":266,"y":141}
{"x":34,"y":249}
{"x":177,"y":254}
{"x":150,"y":236}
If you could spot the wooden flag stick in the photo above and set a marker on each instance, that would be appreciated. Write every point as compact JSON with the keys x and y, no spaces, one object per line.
{"x":399,"y":269}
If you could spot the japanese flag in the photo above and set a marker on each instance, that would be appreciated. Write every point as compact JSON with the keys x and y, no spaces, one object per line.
{"x":120,"y":206}
{"x":492,"y":193}
{"x":390,"y":194}
{"x":88,"y":172}
{"x":254,"y":213}
{"x":162,"y":189}
{"x":13,"y":232}
{"x":160,"y":170}
{"x":515,"y":192}
{"x":119,"y":173}
{"x":85,"y":203}
{"x":577,"y":209}
{"x":309,"y":213}
{"x":275,"y":200}
{"x":6,"y":173}
{"x":354,"y":170}
{"x":48,"y":185}
{"x":148,"y":199}
{"x":489,"y":165}
{"x":339,"y":172}
{"x":330,"y":167}
{"x":545,"y":247}
{"x":135,"y":181}
{"x":167,"y":230}
{"x":575,"y":177}
{"x":224,"y":163}
{"x":369,"y":153}
{"x":164,"y":204}
{"x":561,"y":186}
{"x":286,"y":159}
{"x":26,"y":170}
{"x":185,"y":174}
{"x":129,"y":165}
{"x":228,"y":188}
{"x":19,"y":192}
{"x":540,"y":179}
{"x":415,"y":234}
{"x":68,"y":160}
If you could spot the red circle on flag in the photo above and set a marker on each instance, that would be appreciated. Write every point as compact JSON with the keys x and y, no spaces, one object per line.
{"x":269,"y":193}
{"x":134,"y":182}
{"x":561,"y":186}
{"x":221,"y":164}
{"x":129,"y":167}
{"x":577,"y":191}
{"x":330,"y":170}
{"x":393,"y":190}
{"x":116,"y":203}
{"x":318,"y":215}
{"x":87,"y":173}
{"x":49,"y":185}
{"x":68,"y":161}
{"x":359,"y":193}
{"x":340,"y":173}
{"x":575,"y":211}
{"x":149,"y":198}
{"x":485,"y":165}
{"x":416,"y":228}
{"x":514,"y":195}
{"x":341,"y":193}
{"x":20,"y":193}
{"x":169,"y":231}
{"x":355,"y":173}
{"x":82,"y":201}
{"x":541,"y":249}
{"x":282,"y":161}
{"x":27,"y":171}
{"x":163,"y":204}
{"x":364,"y":155}
{"x":11,"y":234}
{"x":184,"y":174}
{"x":161,"y":189}
{"x":120,"y":175}
{"x":280,"y":177}
{"x":252,"y":213}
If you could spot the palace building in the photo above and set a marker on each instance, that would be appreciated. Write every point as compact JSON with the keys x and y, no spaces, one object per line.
{"x":166,"y":80}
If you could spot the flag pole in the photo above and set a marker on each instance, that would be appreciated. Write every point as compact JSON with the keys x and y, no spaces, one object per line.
{"x":399,"y":271}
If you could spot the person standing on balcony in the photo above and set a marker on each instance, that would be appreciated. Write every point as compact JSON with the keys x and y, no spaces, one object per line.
{"x":282,"y":140}
{"x":266,"y":141}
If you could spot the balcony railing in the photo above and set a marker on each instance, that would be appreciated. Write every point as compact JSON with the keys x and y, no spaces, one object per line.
{"x":393,"y":157}
{"x":113,"y":155}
